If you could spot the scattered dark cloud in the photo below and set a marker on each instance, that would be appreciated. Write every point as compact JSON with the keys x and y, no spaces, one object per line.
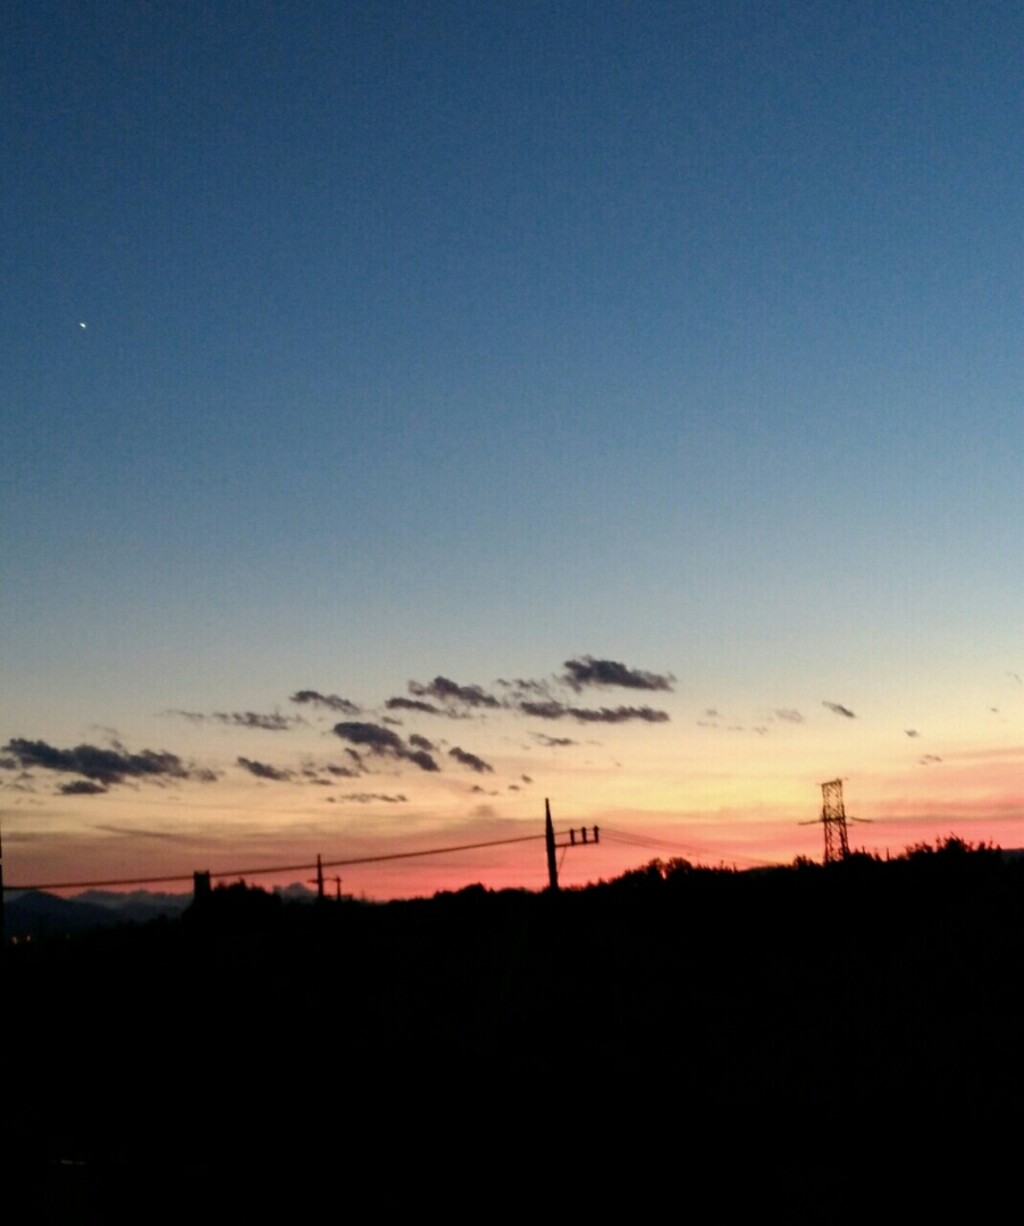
{"x":112,"y":735}
{"x":928,"y":758}
{"x":588,"y":671}
{"x":788,"y":715}
{"x":420,"y":742}
{"x":331,"y":701}
{"x":712,"y":713}
{"x":448,"y":691}
{"x":471,"y":760}
{"x":422,"y":759}
{"x":477,"y":790}
{"x":366,"y":798}
{"x":553,"y":742}
{"x":839,"y":709}
{"x":526,"y":779}
{"x":550,"y":709}
{"x":372,"y":737}
{"x":252,"y":719}
{"x":384,"y":742}
{"x":522,"y":688}
{"x":8,"y":764}
{"x":105,"y":766}
{"x":553,"y":709}
{"x":912,"y":732}
{"x":417,"y":704}
{"x":137,"y":832}
{"x":83,"y":787}
{"x":262,"y":771}
{"x":23,"y":782}
{"x":243,"y":719}
{"x":514,"y":787}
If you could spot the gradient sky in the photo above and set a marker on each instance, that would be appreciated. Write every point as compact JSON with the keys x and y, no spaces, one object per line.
{"x":353,"y":346}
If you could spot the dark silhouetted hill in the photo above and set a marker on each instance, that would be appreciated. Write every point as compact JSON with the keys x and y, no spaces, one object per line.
{"x":674,"y":1004}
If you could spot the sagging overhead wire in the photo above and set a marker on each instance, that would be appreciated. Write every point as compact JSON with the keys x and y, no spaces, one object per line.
{"x":264,"y":871}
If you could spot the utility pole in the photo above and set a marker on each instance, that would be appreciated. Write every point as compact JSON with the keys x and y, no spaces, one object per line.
{"x":319,"y":880}
{"x":586,"y":838}
{"x":549,"y":842}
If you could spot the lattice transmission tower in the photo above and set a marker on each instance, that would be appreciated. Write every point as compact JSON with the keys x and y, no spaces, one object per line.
{"x":833,"y":818}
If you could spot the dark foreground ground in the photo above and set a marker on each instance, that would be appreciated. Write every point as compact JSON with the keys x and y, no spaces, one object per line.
{"x":483,"y":1046}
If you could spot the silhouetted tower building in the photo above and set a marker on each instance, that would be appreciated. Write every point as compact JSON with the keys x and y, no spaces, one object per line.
{"x":201,"y":889}
{"x":833,"y":818}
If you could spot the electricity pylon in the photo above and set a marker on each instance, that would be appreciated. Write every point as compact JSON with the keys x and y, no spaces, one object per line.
{"x":833,"y":818}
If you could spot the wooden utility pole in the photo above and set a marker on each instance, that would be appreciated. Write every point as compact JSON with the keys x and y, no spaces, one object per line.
{"x":587,"y":839}
{"x":549,"y":842}
{"x":318,"y":881}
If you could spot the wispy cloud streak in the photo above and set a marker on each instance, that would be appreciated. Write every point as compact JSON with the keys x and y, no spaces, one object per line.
{"x":586,"y":715}
{"x":446,"y":690}
{"x":332,"y":702}
{"x":471,"y":760}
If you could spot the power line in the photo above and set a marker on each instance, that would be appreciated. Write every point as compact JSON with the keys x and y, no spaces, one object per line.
{"x":263,"y":871}
{"x":279,"y":868}
{"x":620,"y":836}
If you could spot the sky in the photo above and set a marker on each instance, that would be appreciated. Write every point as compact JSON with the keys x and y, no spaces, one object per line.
{"x":413,"y":412}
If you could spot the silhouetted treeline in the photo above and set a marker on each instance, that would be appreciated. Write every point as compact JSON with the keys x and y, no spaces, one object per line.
{"x":862,"y":991}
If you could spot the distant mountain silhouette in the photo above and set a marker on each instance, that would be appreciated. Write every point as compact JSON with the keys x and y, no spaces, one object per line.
{"x":138,"y":906}
{"x":36,"y":913}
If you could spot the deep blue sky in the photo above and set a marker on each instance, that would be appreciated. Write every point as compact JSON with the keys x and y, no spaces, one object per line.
{"x":461,"y":338}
